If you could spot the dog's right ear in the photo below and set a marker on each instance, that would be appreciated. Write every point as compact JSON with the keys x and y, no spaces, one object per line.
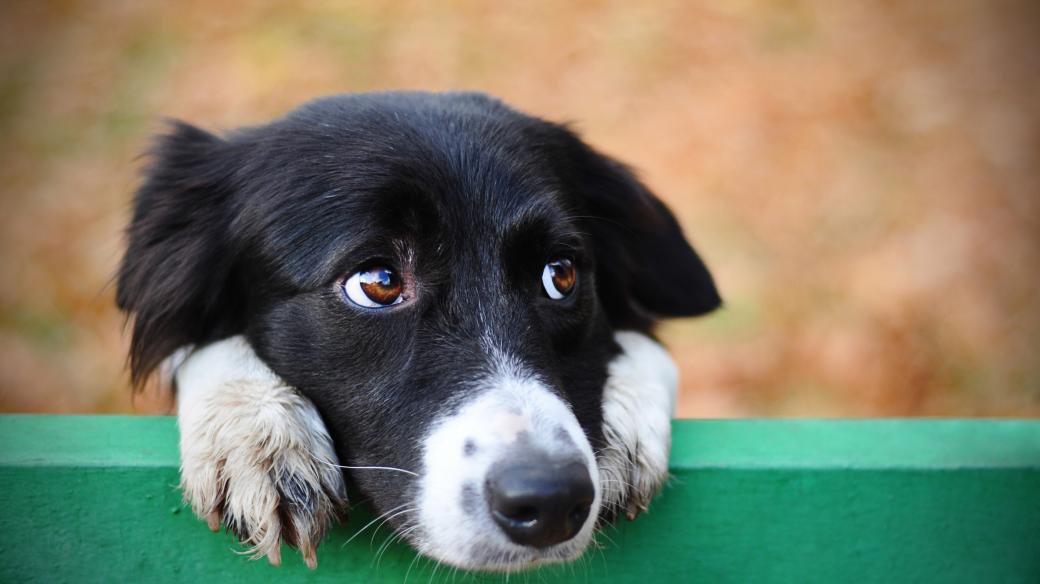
{"x":174,"y":279}
{"x":645,"y":267}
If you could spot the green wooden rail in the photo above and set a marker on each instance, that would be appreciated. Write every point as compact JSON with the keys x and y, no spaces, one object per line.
{"x":94,"y":499}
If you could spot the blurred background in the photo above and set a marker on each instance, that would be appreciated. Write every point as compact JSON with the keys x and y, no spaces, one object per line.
{"x":862,"y":177}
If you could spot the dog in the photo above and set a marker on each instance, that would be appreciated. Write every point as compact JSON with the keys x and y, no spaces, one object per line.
{"x":444,"y":301}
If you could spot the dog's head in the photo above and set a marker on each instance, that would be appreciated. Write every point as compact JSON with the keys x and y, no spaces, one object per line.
{"x":443,"y":276}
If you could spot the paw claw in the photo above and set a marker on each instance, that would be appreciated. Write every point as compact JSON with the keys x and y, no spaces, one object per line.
{"x":213,"y":521}
{"x":637,"y":505}
{"x":310,"y":557}
{"x":275,"y":556}
{"x":631,"y":510}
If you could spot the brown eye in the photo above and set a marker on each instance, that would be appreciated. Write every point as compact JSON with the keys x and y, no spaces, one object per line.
{"x":376,"y":287}
{"x":558,"y":278}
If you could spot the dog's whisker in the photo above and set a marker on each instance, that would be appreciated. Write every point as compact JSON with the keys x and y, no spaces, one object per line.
{"x":614,"y":448}
{"x":385,"y":519}
{"x":409,"y":529}
{"x":370,"y":523}
{"x":398,"y":536}
{"x":436,"y":567}
{"x":411,"y":564}
{"x":621,"y":482}
{"x":608,"y":538}
{"x":414,"y":474}
{"x":382,"y":548}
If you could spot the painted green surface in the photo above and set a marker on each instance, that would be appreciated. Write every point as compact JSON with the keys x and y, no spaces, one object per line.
{"x":94,"y":499}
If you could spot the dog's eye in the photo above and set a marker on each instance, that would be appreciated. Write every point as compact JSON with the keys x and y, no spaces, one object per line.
{"x":375,"y":287}
{"x":558,"y":278}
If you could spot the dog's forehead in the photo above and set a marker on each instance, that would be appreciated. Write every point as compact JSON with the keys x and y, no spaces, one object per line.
{"x":457,"y":178}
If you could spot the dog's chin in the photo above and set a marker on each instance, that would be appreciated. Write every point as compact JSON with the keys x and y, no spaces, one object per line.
{"x":503,"y":557}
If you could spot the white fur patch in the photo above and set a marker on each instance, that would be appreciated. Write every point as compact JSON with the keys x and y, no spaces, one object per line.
{"x":638,"y":405}
{"x":459,"y":452}
{"x":251,"y":446}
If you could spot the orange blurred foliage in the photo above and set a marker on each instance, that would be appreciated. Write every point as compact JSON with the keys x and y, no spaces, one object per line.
{"x":862,"y":177}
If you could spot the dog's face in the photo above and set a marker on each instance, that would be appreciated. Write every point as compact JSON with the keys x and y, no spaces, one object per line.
{"x":443,"y":277}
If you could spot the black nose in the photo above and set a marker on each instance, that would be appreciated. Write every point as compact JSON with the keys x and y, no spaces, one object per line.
{"x":538,"y":501}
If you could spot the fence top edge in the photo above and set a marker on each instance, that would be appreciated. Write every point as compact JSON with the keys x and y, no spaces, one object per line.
{"x":755,"y":444}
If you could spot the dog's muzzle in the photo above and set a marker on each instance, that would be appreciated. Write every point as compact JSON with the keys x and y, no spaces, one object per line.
{"x":508,"y":480}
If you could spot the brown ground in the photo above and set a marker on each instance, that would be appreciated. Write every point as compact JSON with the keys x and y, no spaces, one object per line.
{"x":863,"y":177}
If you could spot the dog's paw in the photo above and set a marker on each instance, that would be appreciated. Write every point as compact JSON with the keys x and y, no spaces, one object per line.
{"x":638,"y":404}
{"x":255,"y":454}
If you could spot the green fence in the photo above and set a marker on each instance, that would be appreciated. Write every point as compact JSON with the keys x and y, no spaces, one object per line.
{"x":95,"y":499}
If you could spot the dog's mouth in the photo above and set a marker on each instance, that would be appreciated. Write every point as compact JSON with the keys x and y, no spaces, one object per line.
{"x":509,"y":482}
{"x":492,"y":557}
{"x":485,"y":550}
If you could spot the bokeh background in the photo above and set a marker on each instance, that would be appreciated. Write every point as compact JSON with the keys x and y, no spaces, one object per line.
{"x":863,"y":177}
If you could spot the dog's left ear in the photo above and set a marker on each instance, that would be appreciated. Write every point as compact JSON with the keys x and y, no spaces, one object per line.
{"x":175,"y":279}
{"x":641,"y":252}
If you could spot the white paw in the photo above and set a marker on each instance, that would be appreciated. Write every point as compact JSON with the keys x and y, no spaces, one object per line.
{"x":255,"y":453}
{"x":638,"y":404}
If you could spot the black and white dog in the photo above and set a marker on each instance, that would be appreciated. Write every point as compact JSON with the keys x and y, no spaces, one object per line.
{"x":449,"y":297}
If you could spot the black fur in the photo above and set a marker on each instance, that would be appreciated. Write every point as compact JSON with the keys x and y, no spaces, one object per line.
{"x":252,"y":233}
